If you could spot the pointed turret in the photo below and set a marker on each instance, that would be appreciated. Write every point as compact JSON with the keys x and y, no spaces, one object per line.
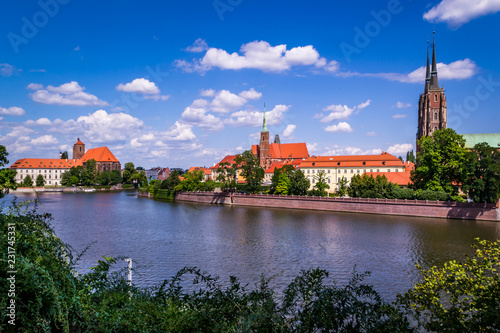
{"x":427,"y":71}
{"x":434,"y":73}
{"x":264,"y":125}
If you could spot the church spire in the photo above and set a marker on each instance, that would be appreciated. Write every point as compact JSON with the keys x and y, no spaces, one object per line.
{"x":434,"y":73}
{"x":427,"y":71}
{"x":264,"y":125}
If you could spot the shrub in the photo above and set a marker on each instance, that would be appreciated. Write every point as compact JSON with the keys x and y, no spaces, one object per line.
{"x":433,"y":195}
{"x":403,"y":193}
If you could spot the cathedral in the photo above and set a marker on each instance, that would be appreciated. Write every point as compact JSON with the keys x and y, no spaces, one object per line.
{"x":432,"y":102}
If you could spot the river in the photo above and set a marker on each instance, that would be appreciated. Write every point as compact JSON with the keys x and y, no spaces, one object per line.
{"x":163,"y":237}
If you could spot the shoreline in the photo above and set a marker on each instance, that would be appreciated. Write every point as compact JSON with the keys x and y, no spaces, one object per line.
{"x":417,"y":208}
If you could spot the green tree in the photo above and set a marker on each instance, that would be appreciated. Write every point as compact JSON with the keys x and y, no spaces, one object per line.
{"x":27,"y":181}
{"x":191,"y":181}
{"x":287,"y":169}
{"x":171,"y":182}
{"x":410,"y":157}
{"x":320,"y":185}
{"x":283,"y":184}
{"x":65,"y":176}
{"x":103,"y":178}
{"x":115,"y":177}
{"x":367,"y":186}
{"x":7,"y":176}
{"x":343,"y":186}
{"x":140,"y":178}
{"x":250,"y":170}
{"x":484,"y":185}
{"x":73,"y":180}
{"x":40,"y":181}
{"x":443,"y":162}
{"x":461,"y":296}
{"x":299,"y":184}
{"x":89,"y":174}
{"x":64,"y":155}
{"x":227,"y":175}
{"x":128,"y":172}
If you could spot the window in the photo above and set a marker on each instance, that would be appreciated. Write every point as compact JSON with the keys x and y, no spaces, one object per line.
{"x":358,"y":170}
{"x":435,"y":115}
{"x":378,"y":170}
{"x":388,"y":170}
{"x":45,"y":171}
{"x":308,"y":170}
{"x":328,"y":170}
{"x":397,"y":170}
{"x":352,"y":170}
{"x":371,"y":170}
{"x":345,"y":170}
{"x":338,"y":180}
{"x":435,"y":98}
{"x":314,"y":180}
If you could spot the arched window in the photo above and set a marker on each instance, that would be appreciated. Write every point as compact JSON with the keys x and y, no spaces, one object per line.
{"x":435,"y":115}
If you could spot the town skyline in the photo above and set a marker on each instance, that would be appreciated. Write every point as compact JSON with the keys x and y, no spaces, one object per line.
{"x":183,"y":85}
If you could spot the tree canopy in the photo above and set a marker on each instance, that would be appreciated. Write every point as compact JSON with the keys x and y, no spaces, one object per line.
{"x":250,"y":170}
{"x":7,"y":181}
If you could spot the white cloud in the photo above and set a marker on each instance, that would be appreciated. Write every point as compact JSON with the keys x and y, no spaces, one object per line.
{"x":333,"y":66}
{"x":401,"y":105}
{"x":139,"y":86}
{"x":364,"y":104}
{"x":39,"y":122}
{"x":101,"y":126}
{"x":199,"y":45}
{"x":12,"y":111}
{"x":66,"y":94}
{"x":312,"y":147}
{"x":337,"y":112}
{"x":44,"y":140}
{"x":399,"y":116}
{"x":457,"y":70}
{"x":336,"y":151}
{"x":157,"y":97}
{"x":8,"y":70}
{"x":225,"y":101}
{"x":258,"y":55}
{"x":197,"y":114}
{"x":288,"y":132}
{"x":400,"y":148}
{"x":458,"y":12}
{"x":207,"y":93}
{"x":250,"y":94}
{"x":252,"y":118}
{"x":341,"y":127}
{"x":179,"y":132}
{"x":372,"y":133}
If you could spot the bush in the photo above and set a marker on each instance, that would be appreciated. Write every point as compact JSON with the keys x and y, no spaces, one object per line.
{"x":403,"y":193}
{"x":433,"y":195}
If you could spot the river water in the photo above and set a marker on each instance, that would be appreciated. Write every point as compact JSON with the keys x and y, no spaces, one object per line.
{"x":162,"y":237}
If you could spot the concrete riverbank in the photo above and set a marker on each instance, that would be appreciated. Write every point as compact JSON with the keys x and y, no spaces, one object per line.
{"x":420,"y":208}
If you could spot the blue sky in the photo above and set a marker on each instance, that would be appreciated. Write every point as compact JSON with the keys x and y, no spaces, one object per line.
{"x":180,"y":84}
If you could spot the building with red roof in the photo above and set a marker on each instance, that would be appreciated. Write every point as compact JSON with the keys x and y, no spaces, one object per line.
{"x":52,"y":169}
{"x":207,"y":172}
{"x":338,"y":167}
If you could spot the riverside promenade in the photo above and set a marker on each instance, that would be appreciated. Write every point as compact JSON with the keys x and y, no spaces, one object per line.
{"x":420,"y":208}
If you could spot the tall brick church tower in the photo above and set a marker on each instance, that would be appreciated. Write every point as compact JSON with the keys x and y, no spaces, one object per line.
{"x":264,"y":143}
{"x":78,"y":149}
{"x":432,"y":103}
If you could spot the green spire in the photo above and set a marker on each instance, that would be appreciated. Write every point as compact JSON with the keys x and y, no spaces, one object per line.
{"x":264,"y":125}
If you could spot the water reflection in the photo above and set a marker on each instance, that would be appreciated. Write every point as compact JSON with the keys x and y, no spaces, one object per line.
{"x":163,"y":237}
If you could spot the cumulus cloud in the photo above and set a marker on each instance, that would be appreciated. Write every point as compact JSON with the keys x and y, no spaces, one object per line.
{"x":337,"y":151}
{"x":399,"y":116}
{"x":400,"y":148}
{"x":44,"y":140}
{"x":207,"y":93}
{"x":250,"y":94}
{"x":459,"y":12}
{"x":139,"y":86}
{"x":258,"y":55}
{"x":66,"y":94}
{"x":225,"y":101}
{"x":199,"y":45}
{"x":12,"y":111}
{"x":101,"y":126}
{"x":288,"y":132}
{"x":457,"y":70}
{"x":401,"y":105}
{"x":337,"y":112}
{"x":8,"y":70}
{"x":252,"y":118}
{"x":340,"y":127}
{"x":39,"y":122}
{"x":197,"y":114}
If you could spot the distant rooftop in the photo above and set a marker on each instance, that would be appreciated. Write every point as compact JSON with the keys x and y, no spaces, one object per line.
{"x":493,"y":139}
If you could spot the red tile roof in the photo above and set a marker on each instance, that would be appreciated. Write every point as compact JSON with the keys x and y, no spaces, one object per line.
{"x":79,"y":142}
{"x":399,"y":178}
{"x":206,"y":171}
{"x":45,"y":163}
{"x":228,"y":158}
{"x":285,"y":150}
{"x":101,"y":154}
{"x":382,"y":160}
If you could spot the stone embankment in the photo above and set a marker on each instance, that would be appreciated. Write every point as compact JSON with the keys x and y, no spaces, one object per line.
{"x":420,"y":208}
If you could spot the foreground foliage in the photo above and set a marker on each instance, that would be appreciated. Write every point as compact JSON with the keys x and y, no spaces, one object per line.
{"x":52,"y":297}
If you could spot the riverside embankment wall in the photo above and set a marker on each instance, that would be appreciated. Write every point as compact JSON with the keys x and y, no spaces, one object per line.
{"x":421,"y":208}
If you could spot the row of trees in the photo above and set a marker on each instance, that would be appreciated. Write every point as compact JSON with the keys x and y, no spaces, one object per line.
{"x":444,"y":164}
